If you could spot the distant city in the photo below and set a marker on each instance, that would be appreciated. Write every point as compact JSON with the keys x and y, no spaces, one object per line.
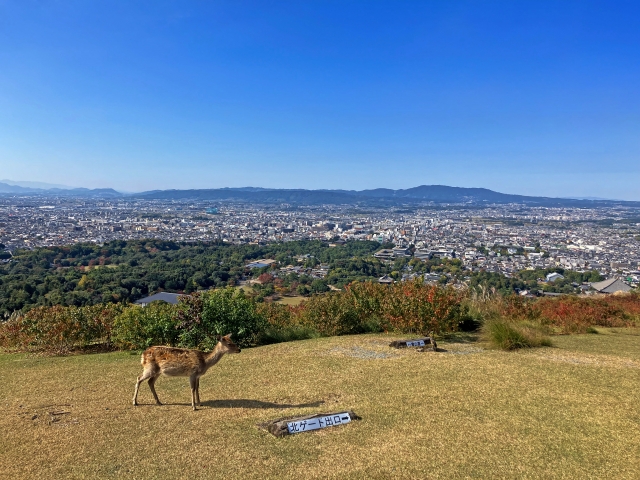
{"x":504,"y":238}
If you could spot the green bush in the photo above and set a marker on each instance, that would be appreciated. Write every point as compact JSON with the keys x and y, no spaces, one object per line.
{"x":511,"y":336}
{"x":331,"y":314}
{"x":141,"y":327}
{"x":224,"y":311}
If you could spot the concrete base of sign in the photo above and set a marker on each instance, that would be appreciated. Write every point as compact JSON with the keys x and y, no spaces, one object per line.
{"x":426,"y":344}
{"x":279,"y":427}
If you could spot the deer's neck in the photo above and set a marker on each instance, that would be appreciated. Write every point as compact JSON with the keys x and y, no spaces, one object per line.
{"x":214,"y":357}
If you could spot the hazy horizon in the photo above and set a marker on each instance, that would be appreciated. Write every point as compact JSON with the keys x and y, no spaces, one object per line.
{"x":44,"y":185}
{"x":534,"y":99}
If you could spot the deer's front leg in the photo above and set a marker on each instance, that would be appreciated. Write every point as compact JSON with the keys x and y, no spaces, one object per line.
{"x":193,"y":382}
{"x":198,"y":402}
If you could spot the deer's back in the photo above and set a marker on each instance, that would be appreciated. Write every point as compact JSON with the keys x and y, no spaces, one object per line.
{"x":173,"y":361}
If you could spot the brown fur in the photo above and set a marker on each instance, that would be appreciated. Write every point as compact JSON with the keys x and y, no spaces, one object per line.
{"x":181,"y":362}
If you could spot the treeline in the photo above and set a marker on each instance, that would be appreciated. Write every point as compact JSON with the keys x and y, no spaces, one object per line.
{"x":124,"y":271}
{"x":414,"y":308}
{"x":529,"y":280}
{"x":197,"y":320}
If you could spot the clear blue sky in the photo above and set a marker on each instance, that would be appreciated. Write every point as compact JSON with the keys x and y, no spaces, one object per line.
{"x":539,"y":98}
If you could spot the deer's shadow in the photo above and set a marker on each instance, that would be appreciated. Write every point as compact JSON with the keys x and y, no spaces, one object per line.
{"x":248,"y":403}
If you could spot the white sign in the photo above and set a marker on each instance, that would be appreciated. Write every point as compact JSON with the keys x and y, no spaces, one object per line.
{"x":416,"y":343}
{"x":319,"y":422}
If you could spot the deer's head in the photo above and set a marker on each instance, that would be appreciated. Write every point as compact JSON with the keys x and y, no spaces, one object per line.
{"x":228,"y":345}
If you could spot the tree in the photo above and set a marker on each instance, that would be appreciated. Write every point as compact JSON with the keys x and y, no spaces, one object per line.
{"x":224,"y":311}
{"x":265,"y":278}
{"x":311,"y":262}
{"x":319,"y":286}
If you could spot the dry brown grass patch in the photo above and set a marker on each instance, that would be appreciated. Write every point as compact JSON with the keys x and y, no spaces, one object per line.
{"x":481,"y":414}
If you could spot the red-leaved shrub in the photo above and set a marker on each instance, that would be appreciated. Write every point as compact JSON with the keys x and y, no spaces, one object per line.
{"x":59,"y":329}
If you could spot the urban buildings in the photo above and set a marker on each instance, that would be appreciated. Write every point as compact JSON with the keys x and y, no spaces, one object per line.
{"x":494,"y":238}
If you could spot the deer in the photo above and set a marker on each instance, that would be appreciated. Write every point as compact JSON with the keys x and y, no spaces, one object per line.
{"x":181,"y":362}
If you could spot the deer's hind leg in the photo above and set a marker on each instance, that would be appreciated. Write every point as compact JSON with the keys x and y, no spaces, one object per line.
{"x":145,"y":375}
{"x":152,"y":383}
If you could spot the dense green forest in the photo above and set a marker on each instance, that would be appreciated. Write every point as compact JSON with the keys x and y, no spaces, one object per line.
{"x":120,"y":271}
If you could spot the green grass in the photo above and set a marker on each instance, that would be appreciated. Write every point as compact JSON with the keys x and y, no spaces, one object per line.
{"x":294,"y":301}
{"x":466,"y":412}
{"x":508,"y":335}
{"x":623,"y":343}
{"x":289,"y":300}
{"x":287,"y":334}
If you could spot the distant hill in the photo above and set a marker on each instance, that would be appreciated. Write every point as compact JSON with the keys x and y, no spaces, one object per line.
{"x":381,"y":196}
{"x":424,"y":194}
{"x":74,"y":192}
{"x":41,"y":185}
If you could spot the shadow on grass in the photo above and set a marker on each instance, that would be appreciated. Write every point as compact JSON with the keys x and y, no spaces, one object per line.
{"x":461,"y":337}
{"x":248,"y":403}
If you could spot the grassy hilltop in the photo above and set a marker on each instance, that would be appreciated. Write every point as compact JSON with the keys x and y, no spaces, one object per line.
{"x":468,"y":412}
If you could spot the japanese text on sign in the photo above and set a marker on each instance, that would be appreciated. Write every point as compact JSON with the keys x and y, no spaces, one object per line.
{"x":416,"y":343}
{"x":319,"y":422}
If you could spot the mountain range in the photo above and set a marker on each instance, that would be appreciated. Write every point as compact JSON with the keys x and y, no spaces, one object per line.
{"x":438,"y":194}
{"x":380,"y":196}
{"x":5,"y":188}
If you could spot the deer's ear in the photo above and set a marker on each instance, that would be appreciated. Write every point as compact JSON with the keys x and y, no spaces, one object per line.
{"x":228,"y":336}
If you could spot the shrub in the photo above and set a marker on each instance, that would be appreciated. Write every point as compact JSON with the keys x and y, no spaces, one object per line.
{"x":282,"y":324}
{"x":331,"y":314}
{"x":415,"y":307}
{"x":224,"y":311}
{"x":141,"y":327}
{"x":277,"y":315}
{"x":13,"y":334}
{"x":574,"y":315}
{"x":410,"y":307}
{"x":511,"y":336}
{"x":629,"y":303}
{"x":566,"y":314}
{"x":59,"y":329}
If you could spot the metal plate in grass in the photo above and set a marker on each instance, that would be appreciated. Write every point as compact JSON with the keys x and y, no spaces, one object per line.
{"x":309,"y":423}
{"x":417,"y":342}
{"x":318,"y":423}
